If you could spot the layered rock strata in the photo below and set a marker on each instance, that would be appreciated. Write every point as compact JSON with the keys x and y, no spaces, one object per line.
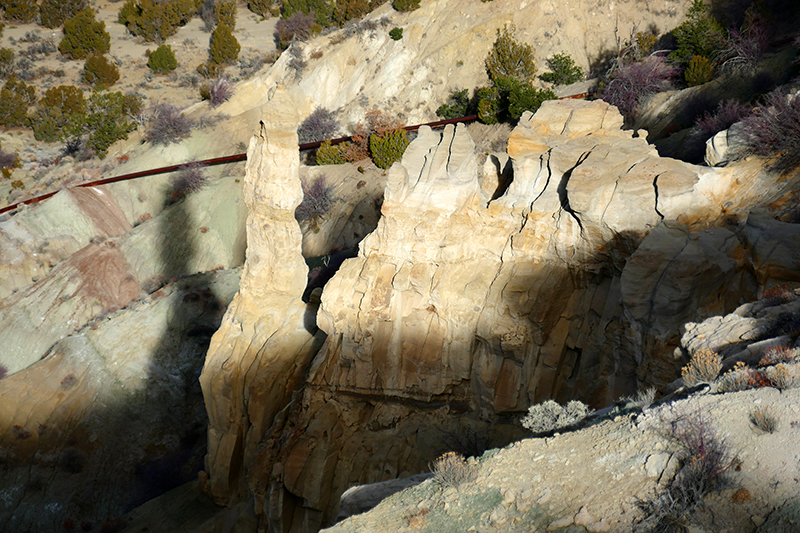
{"x":567,"y":275}
{"x":260,"y":353}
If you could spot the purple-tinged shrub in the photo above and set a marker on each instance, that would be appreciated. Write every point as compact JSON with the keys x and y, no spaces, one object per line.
{"x":745,"y":47}
{"x":637,"y":81}
{"x":191,"y":178}
{"x":317,"y":200}
{"x":168,"y":125}
{"x":705,"y":457}
{"x":298,"y":27}
{"x":9,"y":161}
{"x":319,"y":126}
{"x":774,"y":128}
{"x":217,"y":92}
{"x":727,"y":113}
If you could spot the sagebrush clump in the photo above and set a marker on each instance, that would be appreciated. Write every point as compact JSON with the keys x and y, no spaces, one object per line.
{"x":319,"y":126}
{"x":189,"y":179}
{"x":299,"y":26}
{"x":162,"y":60}
{"x":773,"y":130}
{"x":550,"y":416}
{"x":217,"y":92}
{"x":8,"y":163}
{"x":452,"y":470}
{"x":705,"y":457}
{"x":704,"y":367}
{"x":83,"y":34}
{"x":631,"y":85}
{"x":168,"y":125}
{"x":317,"y":200}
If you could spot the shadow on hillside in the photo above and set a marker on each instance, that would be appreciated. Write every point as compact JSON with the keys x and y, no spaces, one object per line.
{"x":176,"y":365}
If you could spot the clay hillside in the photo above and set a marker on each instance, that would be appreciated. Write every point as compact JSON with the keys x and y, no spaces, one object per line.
{"x":577,"y":310}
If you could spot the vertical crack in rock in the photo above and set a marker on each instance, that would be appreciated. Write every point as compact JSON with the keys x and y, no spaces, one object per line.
{"x":562,"y":189}
{"x":655,"y":188}
{"x":544,"y":160}
{"x":657,"y":284}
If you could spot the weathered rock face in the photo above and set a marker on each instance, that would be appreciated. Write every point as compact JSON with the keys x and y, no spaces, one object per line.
{"x":471,"y":300}
{"x":201,"y":233}
{"x":114,"y":415}
{"x":262,"y":350}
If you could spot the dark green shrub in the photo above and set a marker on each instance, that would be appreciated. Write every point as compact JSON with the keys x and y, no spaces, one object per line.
{"x":405,"y":5}
{"x":224,"y":46}
{"x":699,"y":71}
{"x":6,"y":62}
{"x":387,"y":148}
{"x":83,"y":34}
{"x":510,"y":58}
{"x":55,"y":12}
{"x":396,"y":34}
{"x":2,"y":27}
{"x":99,"y":72}
{"x":699,"y":35}
{"x":261,"y":7}
{"x":225,"y":13}
{"x":508,"y":99}
{"x":350,"y":9}
{"x":24,"y":11}
{"x":162,"y":60}
{"x":522,"y":97}
{"x":563,"y":70}
{"x":15,"y":98}
{"x":321,"y":10}
{"x":157,"y":19}
{"x":458,"y":105}
{"x":489,"y":105}
{"x":60,"y":115}
{"x":110,"y":118}
{"x":328,"y":154}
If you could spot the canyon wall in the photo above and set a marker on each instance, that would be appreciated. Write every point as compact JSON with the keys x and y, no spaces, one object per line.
{"x":566,"y":270}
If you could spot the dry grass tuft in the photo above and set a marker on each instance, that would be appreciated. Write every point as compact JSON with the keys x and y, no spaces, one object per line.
{"x":704,"y":367}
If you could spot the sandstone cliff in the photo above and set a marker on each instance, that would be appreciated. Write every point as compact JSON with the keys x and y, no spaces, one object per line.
{"x":471,"y":300}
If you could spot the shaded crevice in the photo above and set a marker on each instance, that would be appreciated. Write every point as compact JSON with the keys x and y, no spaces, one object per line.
{"x":655,"y":188}
{"x":563,"y":197}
